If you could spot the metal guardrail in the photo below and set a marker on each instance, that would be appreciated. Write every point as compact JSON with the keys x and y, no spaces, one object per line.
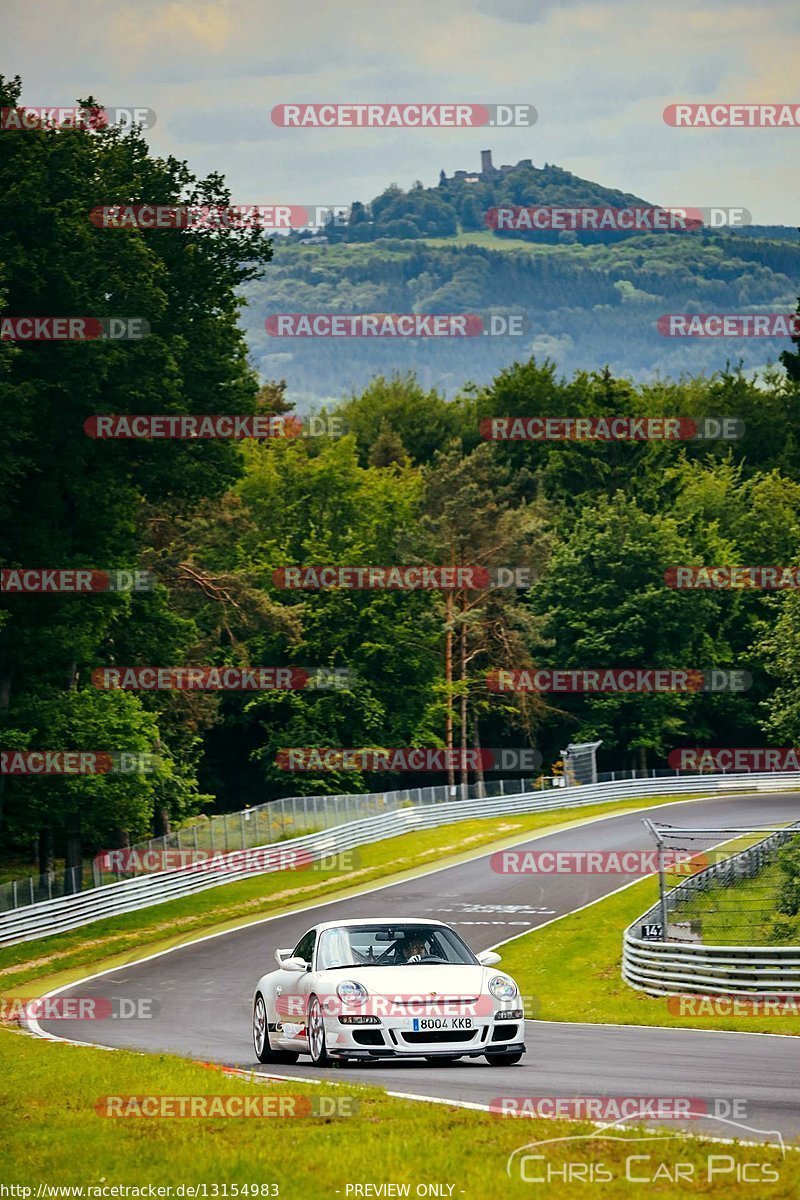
{"x":683,"y":968}
{"x":69,"y":912}
{"x":259,"y":825}
{"x":263,"y":824}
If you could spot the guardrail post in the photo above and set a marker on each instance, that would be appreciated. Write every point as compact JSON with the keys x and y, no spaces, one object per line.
{"x":14,"y":891}
{"x":662,"y":882}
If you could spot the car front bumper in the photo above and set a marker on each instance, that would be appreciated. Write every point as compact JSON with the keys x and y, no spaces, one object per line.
{"x":394,"y":1039}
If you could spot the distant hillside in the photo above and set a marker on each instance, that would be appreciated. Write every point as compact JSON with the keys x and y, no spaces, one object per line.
{"x":587,"y":300}
{"x":460,"y":202}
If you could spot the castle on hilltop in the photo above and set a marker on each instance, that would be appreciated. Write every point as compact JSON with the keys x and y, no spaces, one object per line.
{"x":487,"y":171}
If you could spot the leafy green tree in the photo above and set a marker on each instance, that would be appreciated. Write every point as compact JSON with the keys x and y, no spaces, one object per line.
{"x":780,"y":648}
{"x":606,"y":606}
{"x":315,"y":504}
{"x":84,"y":810}
{"x":423,"y":420}
{"x":476,"y":515}
{"x":76,"y":501}
{"x":791,"y":359}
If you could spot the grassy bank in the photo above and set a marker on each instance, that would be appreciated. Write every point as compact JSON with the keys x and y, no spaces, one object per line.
{"x":740,"y":914}
{"x":53,"y":1133}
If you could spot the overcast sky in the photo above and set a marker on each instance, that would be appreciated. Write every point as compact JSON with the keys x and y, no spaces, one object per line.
{"x":599,"y":73}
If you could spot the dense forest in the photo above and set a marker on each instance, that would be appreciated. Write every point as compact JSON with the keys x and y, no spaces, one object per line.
{"x":410,"y":480}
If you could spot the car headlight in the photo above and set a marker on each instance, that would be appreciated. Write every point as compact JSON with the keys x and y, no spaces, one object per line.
{"x":352,"y":993}
{"x":502,"y":988}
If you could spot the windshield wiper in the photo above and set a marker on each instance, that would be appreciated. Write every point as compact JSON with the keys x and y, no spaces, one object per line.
{"x":350,"y":966}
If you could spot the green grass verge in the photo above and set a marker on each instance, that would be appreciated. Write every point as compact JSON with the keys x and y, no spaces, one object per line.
{"x":572,"y":968}
{"x":56,"y":960}
{"x":741,"y":914}
{"x":52,"y":1134}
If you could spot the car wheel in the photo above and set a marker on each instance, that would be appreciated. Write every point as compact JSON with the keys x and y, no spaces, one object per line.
{"x":261,"y":1044}
{"x":504,"y":1060}
{"x":316,"y":1035}
{"x":442,"y":1059}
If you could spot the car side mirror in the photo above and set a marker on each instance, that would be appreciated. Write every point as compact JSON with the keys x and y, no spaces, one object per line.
{"x":295,"y":964}
{"x":488,"y":958}
{"x":282,"y":955}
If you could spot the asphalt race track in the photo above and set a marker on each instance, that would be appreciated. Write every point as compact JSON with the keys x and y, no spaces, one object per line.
{"x":205,"y":990}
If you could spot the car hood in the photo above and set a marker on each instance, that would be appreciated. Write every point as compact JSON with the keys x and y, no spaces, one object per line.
{"x":417,"y":980}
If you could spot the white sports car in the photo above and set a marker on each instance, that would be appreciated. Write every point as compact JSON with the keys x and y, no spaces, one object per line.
{"x":367,"y":989}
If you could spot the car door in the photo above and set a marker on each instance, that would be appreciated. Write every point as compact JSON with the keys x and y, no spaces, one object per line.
{"x":291,"y":997}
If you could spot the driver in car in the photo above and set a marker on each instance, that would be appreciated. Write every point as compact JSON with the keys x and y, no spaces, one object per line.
{"x":412,"y":949}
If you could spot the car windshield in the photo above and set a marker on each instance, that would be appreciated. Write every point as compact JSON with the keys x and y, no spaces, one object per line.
{"x":388,"y":945}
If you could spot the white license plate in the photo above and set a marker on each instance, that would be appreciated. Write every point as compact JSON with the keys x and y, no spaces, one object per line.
{"x":434,"y":1024}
